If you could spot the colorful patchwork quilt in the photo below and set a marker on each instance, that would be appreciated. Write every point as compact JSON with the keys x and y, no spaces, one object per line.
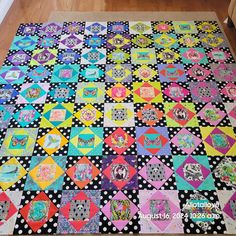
{"x":118,"y":127}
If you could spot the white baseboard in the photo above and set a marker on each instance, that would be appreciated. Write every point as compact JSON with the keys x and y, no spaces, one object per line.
{"x":4,"y":7}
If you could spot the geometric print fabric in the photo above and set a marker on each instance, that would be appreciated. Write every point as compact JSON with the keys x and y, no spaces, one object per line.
{"x":106,"y":123}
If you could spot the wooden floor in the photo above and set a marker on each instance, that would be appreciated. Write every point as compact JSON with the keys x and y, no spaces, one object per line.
{"x":39,"y":11}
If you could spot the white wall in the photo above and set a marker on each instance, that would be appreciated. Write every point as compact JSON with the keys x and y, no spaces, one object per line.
{"x":4,"y":7}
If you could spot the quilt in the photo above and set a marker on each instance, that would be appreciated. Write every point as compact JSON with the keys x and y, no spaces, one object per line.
{"x":118,"y":127}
